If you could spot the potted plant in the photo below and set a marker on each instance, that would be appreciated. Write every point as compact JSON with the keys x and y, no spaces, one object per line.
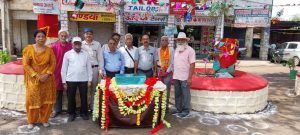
{"x":291,"y":64}
{"x":4,"y":57}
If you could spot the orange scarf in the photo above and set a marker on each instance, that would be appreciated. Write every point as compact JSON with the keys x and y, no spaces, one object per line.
{"x":164,"y":58}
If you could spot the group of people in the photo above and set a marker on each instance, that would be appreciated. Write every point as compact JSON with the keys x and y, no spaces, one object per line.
{"x":80,"y":64}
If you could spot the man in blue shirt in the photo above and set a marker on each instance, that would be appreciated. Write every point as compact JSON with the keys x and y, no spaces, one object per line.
{"x":113,"y":60}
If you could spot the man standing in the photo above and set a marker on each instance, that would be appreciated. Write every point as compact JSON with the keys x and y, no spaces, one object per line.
{"x":93,"y":48}
{"x":184,"y":66}
{"x":165,"y":64}
{"x":128,"y":52}
{"x":113,"y":60}
{"x":117,"y":38}
{"x":77,"y":73}
{"x":59,"y":48}
{"x":145,"y":58}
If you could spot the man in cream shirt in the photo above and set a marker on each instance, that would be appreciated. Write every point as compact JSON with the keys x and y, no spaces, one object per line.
{"x":76,"y":73}
{"x":93,"y":48}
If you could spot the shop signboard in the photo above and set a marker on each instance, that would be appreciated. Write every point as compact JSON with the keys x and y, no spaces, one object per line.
{"x":93,"y":17}
{"x":45,"y":6}
{"x":203,"y":8}
{"x":87,"y":2}
{"x":144,"y":18}
{"x":198,"y":21}
{"x":146,"y":12}
{"x":180,"y":7}
{"x":251,"y":18}
{"x":152,"y":6}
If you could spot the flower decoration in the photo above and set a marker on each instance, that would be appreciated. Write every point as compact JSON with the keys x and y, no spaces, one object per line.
{"x":136,"y":103}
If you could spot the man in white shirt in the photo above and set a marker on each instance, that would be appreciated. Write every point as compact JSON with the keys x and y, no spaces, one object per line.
{"x":93,"y":48}
{"x":128,"y":52}
{"x":76,"y":73}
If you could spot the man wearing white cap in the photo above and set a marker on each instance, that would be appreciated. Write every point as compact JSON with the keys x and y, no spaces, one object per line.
{"x":76,"y":73}
{"x":184,"y":65}
{"x":59,"y":48}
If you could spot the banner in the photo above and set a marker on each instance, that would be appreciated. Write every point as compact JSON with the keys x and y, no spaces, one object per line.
{"x":93,"y":17}
{"x":179,"y":7}
{"x":251,"y":18}
{"x":48,"y":23}
{"x":45,"y":6}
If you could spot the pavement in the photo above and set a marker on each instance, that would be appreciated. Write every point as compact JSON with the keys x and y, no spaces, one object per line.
{"x":281,"y":116}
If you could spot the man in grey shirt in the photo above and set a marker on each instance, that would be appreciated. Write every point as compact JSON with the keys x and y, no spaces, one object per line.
{"x":145,"y":58}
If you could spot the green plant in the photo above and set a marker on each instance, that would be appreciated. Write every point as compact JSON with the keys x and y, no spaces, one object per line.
{"x":290,"y":63}
{"x":4,"y":57}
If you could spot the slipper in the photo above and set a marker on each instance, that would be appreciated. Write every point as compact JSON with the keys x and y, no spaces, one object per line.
{"x":53,"y":115}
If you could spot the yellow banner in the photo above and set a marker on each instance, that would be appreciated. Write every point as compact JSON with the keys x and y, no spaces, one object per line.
{"x":92,"y":17}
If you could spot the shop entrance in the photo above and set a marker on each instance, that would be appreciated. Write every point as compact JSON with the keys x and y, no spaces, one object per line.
{"x":102,"y":31}
{"x":155,"y":32}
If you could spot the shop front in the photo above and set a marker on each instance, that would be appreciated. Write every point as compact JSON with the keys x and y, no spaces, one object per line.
{"x":255,"y":25}
{"x":201,"y":31}
{"x":93,"y":15}
{"x":199,"y":27}
{"x":101,"y":23}
{"x":146,"y":17}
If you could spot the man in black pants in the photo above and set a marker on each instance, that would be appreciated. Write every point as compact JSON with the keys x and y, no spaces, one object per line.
{"x":77,"y":73}
{"x":113,"y":60}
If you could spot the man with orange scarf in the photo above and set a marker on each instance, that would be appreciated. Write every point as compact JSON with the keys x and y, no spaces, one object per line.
{"x":165,"y":65}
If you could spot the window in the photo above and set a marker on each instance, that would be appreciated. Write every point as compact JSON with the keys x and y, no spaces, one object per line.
{"x":281,"y":46}
{"x":292,"y":46}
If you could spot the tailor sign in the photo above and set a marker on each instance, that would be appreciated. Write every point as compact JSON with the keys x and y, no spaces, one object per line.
{"x":152,"y":6}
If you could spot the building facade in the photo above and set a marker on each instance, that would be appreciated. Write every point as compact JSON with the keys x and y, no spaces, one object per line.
{"x":246,"y":20}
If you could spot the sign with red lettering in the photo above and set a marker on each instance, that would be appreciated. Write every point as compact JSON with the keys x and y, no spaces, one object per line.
{"x":93,"y":17}
{"x":45,"y":6}
{"x":144,"y":18}
{"x":179,"y":7}
{"x":152,"y":6}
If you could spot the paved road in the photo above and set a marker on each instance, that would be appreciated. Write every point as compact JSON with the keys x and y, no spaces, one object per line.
{"x":282,"y":117}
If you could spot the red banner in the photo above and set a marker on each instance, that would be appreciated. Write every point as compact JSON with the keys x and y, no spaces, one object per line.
{"x":48,"y":23}
{"x":179,"y":7}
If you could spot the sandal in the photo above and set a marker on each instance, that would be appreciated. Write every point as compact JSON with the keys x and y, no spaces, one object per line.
{"x":46,"y":124}
{"x":53,"y":115}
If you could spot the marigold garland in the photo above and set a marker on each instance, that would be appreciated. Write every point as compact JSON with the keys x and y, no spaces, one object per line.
{"x":96,"y":103}
{"x":141,"y":99}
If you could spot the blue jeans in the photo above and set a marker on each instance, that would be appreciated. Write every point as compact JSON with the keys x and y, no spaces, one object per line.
{"x":182,"y":96}
{"x":167,"y":81}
